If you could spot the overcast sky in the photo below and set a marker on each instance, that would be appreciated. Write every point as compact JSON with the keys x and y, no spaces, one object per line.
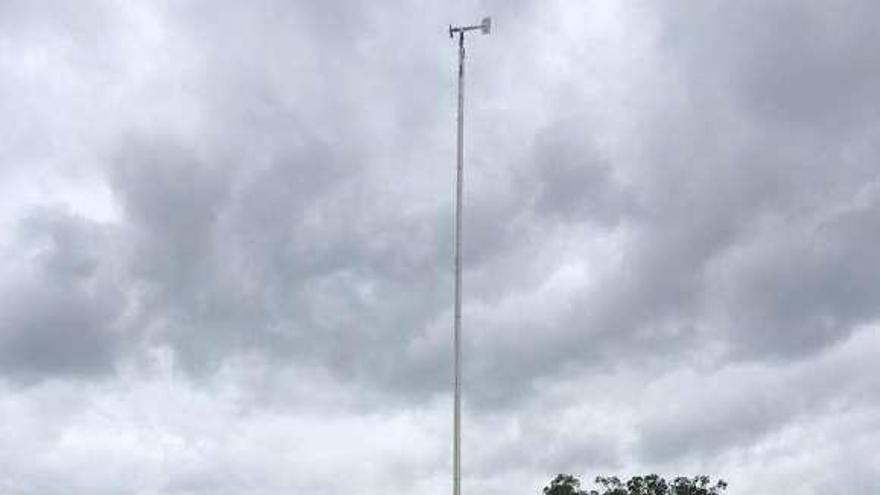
{"x":226,"y":232}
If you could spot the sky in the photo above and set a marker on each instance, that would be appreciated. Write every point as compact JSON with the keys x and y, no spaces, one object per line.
{"x":227,"y":228}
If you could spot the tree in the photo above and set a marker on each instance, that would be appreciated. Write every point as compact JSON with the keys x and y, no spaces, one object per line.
{"x":567,"y":484}
{"x":564,"y":484}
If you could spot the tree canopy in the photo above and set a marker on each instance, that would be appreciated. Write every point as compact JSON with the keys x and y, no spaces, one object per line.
{"x":652,"y":484}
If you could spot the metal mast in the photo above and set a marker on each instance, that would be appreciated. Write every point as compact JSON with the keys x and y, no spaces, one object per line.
{"x":484,"y":27}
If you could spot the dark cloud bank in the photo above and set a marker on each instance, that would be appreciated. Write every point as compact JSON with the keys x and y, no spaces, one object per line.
{"x":671,"y":221}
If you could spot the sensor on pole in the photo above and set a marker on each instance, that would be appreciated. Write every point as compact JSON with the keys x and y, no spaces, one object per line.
{"x":485,"y":26}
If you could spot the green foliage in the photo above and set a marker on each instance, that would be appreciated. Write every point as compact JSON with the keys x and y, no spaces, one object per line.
{"x":564,"y":484}
{"x":567,"y":484}
{"x":698,"y":485}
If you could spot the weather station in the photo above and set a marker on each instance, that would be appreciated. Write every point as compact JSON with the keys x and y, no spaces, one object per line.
{"x":485,"y":27}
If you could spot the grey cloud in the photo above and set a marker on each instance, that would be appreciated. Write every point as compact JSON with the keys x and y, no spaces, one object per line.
{"x":800,"y":65}
{"x":59,"y":310}
{"x":575,"y":180}
{"x":737,"y":408}
{"x":282,"y":231}
{"x":802,"y":288}
{"x":710,"y":422}
{"x":247,"y":239}
{"x":790,"y":167}
{"x":290,"y":236}
{"x":283,"y":173}
{"x":710,"y":172}
{"x":289,"y":258}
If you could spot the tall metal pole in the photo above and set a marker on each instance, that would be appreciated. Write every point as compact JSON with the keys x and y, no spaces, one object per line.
{"x":484,"y":27}
{"x":456,"y":443}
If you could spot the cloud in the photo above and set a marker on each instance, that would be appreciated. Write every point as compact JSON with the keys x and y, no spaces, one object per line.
{"x":60,"y":306}
{"x":232,"y":229}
